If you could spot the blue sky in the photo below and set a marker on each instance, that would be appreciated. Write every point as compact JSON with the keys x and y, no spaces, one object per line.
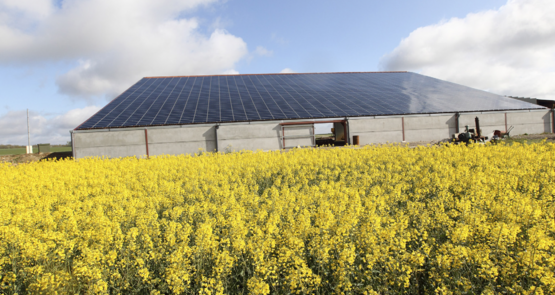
{"x":63,"y":60}
{"x":332,"y":36}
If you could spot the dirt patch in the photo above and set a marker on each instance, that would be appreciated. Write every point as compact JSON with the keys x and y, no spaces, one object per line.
{"x":530,"y":138}
{"x":550,"y":137}
{"x":425,"y":143}
{"x":27,"y":158}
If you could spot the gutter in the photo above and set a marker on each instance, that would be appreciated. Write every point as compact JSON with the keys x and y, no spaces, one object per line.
{"x":216,"y":134}
{"x":72,"y":144}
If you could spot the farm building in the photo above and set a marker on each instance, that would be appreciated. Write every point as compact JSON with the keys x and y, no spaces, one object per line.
{"x":180,"y":115}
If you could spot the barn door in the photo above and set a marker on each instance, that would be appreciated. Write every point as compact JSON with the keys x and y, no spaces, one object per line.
{"x":301,"y":135}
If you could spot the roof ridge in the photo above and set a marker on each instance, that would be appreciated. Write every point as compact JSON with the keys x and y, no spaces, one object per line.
{"x":218,"y":75}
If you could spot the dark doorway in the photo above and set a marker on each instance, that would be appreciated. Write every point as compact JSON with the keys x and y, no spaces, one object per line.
{"x":330,"y":133}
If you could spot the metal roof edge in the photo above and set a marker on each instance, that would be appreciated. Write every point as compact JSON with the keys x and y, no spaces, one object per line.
{"x":107,"y":104}
{"x":220,"y":75}
{"x":315,"y":120}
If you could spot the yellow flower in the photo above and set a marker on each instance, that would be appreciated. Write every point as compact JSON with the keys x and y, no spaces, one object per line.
{"x":372,"y":220}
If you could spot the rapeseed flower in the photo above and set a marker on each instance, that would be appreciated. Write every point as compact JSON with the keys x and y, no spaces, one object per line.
{"x":372,"y":220}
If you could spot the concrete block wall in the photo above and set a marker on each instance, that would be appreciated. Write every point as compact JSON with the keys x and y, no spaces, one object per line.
{"x":489,"y":122}
{"x":179,"y":141}
{"x":257,"y":136}
{"x":530,"y":122}
{"x":117,"y":143}
{"x":111,"y":144}
{"x":428,"y":128}
{"x":298,"y":135}
{"x":441,"y":127}
{"x":299,"y":130}
{"x":377,"y":130}
{"x":267,"y":136}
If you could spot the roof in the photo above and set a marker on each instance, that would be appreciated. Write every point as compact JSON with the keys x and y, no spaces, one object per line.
{"x":548,"y":103}
{"x":156,"y":101}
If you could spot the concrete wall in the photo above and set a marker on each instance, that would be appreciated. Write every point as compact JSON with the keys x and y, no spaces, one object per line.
{"x":378,"y":130}
{"x":441,"y":127}
{"x":488,"y":122}
{"x":390,"y":129}
{"x":112,"y":144}
{"x":339,"y":131}
{"x":267,"y":136}
{"x":298,"y":135}
{"x":178,"y":141}
{"x":258,"y":136}
{"x":530,"y":122}
{"x":128,"y":142}
{"x":428,"y":128}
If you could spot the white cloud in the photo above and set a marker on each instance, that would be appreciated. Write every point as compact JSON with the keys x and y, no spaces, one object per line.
{"x":279,"y":40}
{"x":509,"y":51}
{"x":287,"y":70}
{"x":19,"y":11}
{"x":13,"y":126}
{"x":73,"y":118}
{"x":263,"y":51}
{"x":323,"y":128}
{"x":115,"y":43}
{"x":231,"y":72}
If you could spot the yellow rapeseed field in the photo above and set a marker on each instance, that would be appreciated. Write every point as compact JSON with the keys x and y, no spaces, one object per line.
{"x":375,"y":220}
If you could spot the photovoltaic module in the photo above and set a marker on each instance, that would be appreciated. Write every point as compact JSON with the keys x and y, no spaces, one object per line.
{"x":157,"y":101}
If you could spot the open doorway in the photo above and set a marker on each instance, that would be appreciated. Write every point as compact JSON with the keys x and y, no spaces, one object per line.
{"x":310,"y":134}
{"x":330,"y":133}
{"x":324,"y":134}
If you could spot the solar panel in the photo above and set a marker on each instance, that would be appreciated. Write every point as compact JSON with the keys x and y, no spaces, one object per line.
{"x":238,"y":98}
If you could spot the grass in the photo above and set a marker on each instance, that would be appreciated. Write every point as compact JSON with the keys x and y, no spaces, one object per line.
{"x":19,"y":151}
{"x":4,"y":152}
{"x":529,"y":140}
{"x":522,"y":140}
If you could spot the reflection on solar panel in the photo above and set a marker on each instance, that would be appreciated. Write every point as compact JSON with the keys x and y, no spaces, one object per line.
{"x":236,"y":98}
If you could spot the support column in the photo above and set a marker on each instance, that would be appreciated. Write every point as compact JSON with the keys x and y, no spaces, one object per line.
{"x":283,"y":137}
{"x":216,"y":135}
{"x":403,"y":127}
{"x":313,"y":136}
{"x":73,"y":152}
{"x":457,"y":128}
{"x":347,"y":131}
{"x":146,"y":143}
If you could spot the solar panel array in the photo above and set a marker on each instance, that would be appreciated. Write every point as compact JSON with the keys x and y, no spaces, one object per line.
{"x":237,"y":98}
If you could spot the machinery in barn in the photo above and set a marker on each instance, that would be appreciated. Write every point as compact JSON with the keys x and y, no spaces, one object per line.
{"x":498,"y":134}
{"x":470,"y":135}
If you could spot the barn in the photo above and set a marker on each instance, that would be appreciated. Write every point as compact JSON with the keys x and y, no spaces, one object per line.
{"x":183,"y":114}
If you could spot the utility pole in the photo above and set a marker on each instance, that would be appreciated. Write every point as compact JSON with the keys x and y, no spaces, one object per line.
{"x":29,"y":146}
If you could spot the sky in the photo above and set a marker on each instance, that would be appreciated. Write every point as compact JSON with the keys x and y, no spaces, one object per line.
{"x":65,"y":59}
